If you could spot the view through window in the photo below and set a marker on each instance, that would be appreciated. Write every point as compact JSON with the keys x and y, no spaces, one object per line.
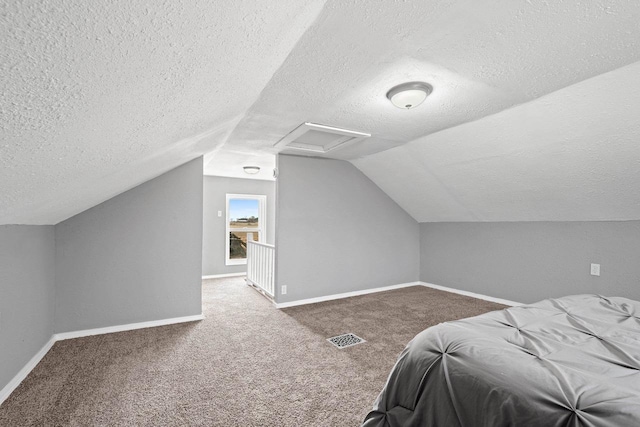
{"x":245,"y":221}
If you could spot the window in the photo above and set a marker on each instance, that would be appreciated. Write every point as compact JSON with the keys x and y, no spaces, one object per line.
{"x":246,"y":215}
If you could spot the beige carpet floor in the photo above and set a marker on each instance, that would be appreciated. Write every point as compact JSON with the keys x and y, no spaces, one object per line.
{"x":247,"y":364}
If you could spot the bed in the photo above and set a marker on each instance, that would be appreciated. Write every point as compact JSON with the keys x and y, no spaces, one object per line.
{"x":572,"y":361}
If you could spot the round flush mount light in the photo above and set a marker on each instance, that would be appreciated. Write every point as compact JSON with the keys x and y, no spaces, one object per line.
{"x":409,"y":95}
{"x":251,"y":170}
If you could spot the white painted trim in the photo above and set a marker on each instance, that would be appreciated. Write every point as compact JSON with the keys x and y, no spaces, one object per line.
{"x":344,"y":295}
{"x":266,"y":245}
{"x":389,"y":288}
{"x":22,"y":374}
{"x":261,"y":229}
{"x":219,"y":276}
{"x":129,"y":327}
{"x":340,"y":142}
{"x":472,"y":294}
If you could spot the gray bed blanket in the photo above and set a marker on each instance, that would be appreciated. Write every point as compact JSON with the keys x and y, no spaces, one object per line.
{"x":572,"y":361}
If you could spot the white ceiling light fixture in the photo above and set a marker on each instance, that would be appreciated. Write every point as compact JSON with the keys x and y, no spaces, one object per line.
{"x":251,"y":170}
{"x":409,"y":95}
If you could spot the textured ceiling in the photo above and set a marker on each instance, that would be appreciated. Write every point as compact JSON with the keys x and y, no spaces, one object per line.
{"x":479,"y":59}
{"x":98,"y":97}
{"x":230,"y":163}
{"x":571,"y":155}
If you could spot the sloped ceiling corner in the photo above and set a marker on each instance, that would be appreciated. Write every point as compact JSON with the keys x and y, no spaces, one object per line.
{"x":480,"y":60}
{"x":97,"y":97}
{"x":572,"y":155}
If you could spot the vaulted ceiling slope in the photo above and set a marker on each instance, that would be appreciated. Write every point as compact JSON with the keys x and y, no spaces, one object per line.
{"x":98,"y":97}
{"x":481,"y":57}
{"x":572,"y":155}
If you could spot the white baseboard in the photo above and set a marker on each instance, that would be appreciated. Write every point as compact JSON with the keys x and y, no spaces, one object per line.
{"x":129,"y":327}
{"x":344,"y":295}
{"x":472,"y":294}
{"x":389,"y":288}
{"x":219,"y":276}
{"x":22,"y":374}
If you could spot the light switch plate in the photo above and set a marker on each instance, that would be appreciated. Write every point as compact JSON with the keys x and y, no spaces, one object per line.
{"x":595,"y":269}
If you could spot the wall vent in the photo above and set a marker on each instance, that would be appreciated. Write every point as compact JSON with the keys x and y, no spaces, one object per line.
{"x":320,"y":139}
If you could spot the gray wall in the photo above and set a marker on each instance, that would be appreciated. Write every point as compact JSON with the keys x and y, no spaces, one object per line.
{"x":213,"y":245}
{"x":27,"y":255}
{"x":134,"y":258}
{"x":338,"y":232}
{"x":530,"y":261}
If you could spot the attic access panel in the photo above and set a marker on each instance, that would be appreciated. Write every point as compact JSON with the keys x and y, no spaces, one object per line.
{"x":316,"y":138}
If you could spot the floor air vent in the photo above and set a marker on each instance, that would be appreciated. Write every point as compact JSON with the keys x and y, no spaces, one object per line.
{"x":345,"y":340}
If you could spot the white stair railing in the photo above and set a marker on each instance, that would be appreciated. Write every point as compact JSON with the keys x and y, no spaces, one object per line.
{"x":260,"y":266}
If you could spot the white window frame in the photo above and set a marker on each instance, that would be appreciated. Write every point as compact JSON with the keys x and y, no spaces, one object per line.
{"x":261,"y":230}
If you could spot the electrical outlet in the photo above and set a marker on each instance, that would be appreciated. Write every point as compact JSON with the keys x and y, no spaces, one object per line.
{"x":595,"y":269}
{"x":283,"y":289}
